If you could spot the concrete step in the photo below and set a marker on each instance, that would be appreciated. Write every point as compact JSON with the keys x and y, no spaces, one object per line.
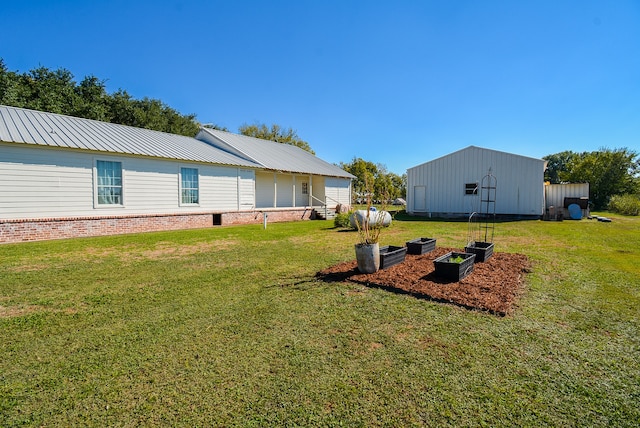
{"x":320,"y":214}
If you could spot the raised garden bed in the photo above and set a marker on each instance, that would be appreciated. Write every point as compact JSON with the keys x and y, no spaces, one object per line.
{"x":482,"y":250}
{"x":391,"y":255}
{"x":454,"y":266}
{"x":421,"y":246}
{"x":495,"y":286}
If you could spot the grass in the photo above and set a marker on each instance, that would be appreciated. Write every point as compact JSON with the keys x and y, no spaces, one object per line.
{"x":227,"y":327}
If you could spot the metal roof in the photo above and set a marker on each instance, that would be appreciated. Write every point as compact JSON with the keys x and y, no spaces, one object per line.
{"x":478,"y":149}
{"x":271,"y":155}
{"x":19,"y":125}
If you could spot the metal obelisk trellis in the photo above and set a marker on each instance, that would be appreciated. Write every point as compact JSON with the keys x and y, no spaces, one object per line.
{"x":481,"y":233}
{"x":487,"y":220}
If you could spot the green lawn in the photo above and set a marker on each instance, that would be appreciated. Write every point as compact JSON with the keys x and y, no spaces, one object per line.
{"x":227,"y":327}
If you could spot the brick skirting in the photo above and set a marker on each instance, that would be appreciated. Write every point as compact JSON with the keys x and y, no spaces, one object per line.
{"x":78,"y":227}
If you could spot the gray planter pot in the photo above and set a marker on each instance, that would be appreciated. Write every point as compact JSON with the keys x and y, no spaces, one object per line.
{"x":368,"y":257}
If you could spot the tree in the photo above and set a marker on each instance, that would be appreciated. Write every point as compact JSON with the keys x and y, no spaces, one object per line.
{"x":374,"y":178}
{"x":365,"y":173}
{"x":275,"y":133}
{"x":215,"y":126}
{"x":8,"y":86}
{"x":57,"y":92}
{"x":121,"y":108}
{"x":92,"y":99}
{"x":557,"y":164}
{"x":46,"y":90}
{"x":608,"y":172}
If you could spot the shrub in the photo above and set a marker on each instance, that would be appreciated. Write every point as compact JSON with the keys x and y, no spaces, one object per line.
{"x":342,"y":219}
{"x":628,"y":204}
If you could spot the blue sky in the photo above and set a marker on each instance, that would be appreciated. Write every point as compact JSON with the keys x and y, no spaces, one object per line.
{"x":393,"y":82}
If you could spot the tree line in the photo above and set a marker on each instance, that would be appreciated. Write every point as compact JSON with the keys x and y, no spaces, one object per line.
{"x":56,"y":91}
{"x":611,"y":174}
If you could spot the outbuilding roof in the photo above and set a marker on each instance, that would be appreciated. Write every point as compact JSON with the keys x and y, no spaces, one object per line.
{"x":270,"y":154}
{"x":476,"y":151}
{"x":19,"y":125}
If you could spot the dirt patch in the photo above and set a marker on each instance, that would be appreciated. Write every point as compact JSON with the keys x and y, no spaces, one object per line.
{"x":493,"y":286}
{"x":11,"y":312}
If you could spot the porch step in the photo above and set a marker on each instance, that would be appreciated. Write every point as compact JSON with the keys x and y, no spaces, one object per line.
{"x":319,"y":214}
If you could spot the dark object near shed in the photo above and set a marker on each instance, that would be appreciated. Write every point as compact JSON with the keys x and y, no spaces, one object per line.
{"x":582,"y":202}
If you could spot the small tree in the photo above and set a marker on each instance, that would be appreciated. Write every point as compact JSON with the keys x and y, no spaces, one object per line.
{"x":275,"y":133}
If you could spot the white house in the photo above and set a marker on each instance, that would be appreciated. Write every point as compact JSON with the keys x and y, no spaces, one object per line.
{"x":63,"y":176}
{"x":445,"y":187}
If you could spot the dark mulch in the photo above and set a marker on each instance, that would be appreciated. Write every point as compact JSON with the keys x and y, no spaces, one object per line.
{"x":493,"y":286}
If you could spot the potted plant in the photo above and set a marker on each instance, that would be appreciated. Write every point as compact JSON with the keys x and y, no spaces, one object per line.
{"x":369,"y":224}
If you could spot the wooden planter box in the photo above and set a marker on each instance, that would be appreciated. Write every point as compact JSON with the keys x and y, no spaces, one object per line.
{"x":421,"y":245}
{"x":391,"y":255}
{"x":454,"y":271}
{"x":482,"y":250}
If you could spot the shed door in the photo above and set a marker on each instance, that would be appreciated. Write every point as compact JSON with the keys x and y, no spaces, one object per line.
{"x":420,"y":198}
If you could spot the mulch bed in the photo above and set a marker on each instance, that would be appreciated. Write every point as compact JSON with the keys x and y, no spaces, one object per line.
{"x":493,"y":286}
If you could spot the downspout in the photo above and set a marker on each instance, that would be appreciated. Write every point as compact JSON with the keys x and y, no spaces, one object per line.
{"x":293,"y":191}
{"x":275,"y":190}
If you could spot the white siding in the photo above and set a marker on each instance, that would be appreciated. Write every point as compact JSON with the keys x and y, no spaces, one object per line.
{"x":47,"y":182}
{"x":520,"y":189}
{"x":218,"y":188}
{"x":555,"y":193}
{"x":246,"y":189}
{"x":318,"y":190}
{"x":338,"y":191}
{"x":43,"y":182}
{"x":285,"y":190}
{"x":265,"y":189}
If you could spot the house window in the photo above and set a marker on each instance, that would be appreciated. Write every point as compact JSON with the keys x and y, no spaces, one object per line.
{"x":189,"y":186}
{"x":471,"y":189}
{"x":305,"y":188}
{"x":109,"y":182}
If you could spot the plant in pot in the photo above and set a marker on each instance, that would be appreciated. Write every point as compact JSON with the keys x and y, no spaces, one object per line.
{"x":369,"y":224}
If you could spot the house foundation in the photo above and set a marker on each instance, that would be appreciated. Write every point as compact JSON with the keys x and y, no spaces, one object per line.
{"x":25,"y":230}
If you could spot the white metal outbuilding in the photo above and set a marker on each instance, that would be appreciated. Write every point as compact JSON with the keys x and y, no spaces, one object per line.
{"x":444,"y":187}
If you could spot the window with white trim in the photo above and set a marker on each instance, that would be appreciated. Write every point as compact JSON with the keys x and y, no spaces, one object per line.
{"x":189,"y":186}
{"x":109,"y":182}
{"x":305,"y":188}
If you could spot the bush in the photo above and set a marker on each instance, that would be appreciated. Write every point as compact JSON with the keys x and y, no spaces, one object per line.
{"x":625,"y":204}
{"x":342,"y":220}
